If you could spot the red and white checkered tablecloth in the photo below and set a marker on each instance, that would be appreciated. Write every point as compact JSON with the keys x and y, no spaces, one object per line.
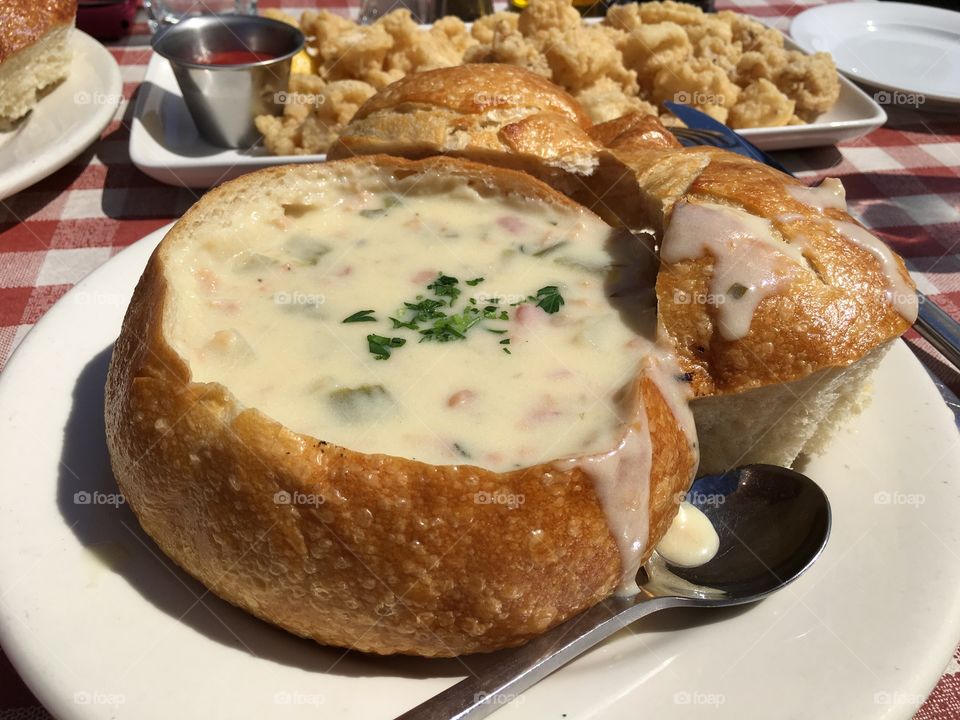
{"x":903,"y":180}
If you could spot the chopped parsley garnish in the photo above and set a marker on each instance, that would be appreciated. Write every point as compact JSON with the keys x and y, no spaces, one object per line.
{"x":445,"y":287}
{"x":549,"y":299}
{"x":455,"y":327}
{"x":737,"y":291}
{"x":452,"y":327}
{"x":360,"y":316}
{"x":397,"y":324}
{"x":380,"y":345}
{"x":428,"y":315}
{"x":549,"y":249}
{"x":424,"y":310}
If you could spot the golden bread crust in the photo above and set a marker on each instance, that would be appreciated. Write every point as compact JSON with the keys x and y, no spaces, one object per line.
{"x":499,"y":114}
{"x":399,"y":557}
{"x":633,"y":130}
{"x":473,"y":89}
{"x":830,"y":317}
{"x":24,"y":23}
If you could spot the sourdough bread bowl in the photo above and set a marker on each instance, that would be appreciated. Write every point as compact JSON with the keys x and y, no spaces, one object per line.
{"x":777,"y":303}
{"x":435,"y":496}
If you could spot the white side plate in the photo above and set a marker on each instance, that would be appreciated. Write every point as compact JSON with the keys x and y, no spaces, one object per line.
{"x":101,"y":625}
{"x":909,"y":49}
{"x":165,"y":144}
{"x":64,"y":122}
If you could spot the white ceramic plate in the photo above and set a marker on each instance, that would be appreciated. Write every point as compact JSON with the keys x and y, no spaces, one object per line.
{"x":100,"y":625}
{"x":908,"y":49}
{"x":65,"y":121}
{"x":165,"y":144}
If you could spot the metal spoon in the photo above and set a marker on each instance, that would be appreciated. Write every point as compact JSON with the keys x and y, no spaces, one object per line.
{"x":772,"y":522}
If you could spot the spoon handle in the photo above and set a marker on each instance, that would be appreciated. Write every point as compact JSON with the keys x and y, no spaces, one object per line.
{"x":481,"y":694}
{"x":939,"y":329}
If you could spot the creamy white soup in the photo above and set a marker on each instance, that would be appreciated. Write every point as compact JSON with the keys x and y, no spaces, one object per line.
{"x":449,"y":328}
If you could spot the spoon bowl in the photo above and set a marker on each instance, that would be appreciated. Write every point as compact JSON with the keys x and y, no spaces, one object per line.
{"x":772,"y":522}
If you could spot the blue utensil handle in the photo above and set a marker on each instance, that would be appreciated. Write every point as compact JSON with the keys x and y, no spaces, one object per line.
{"x":694,"y":118}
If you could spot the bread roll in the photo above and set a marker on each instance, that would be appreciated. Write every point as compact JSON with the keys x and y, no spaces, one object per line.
{"x":778,"y":304}
{"x":441,"y":497}
{"x":34,"y":52}
{"x":501,"y":114}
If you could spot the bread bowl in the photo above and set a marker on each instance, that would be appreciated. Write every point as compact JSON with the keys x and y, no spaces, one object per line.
{"x":786,"y":355}
{"x":776,"y":301}
{"x":280,"y":457}
{"x":34,"y":52}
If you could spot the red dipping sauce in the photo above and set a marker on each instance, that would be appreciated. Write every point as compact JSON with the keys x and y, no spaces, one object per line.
{"x":232,"y":57}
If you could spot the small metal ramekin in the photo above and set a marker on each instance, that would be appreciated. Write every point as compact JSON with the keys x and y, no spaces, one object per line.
{"x":224,"y":99}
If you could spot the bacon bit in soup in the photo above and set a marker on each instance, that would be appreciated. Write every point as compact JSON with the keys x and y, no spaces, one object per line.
{"x":208,"y":279}
{"x":528,"y":315}
{"x":229,"y":307}
{"x":512,"y":224}
{"x":423,"y":276}
{"x":545,"y":411}
{"x":494,"y":458}
{"x":461,"y":398}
